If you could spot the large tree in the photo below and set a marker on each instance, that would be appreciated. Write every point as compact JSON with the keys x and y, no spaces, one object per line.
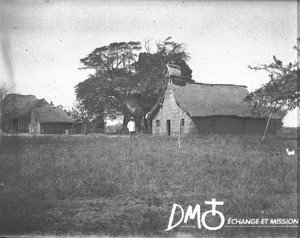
{"x":125,"y":81}
{"x":104,"y":91}
{"x":280,"y":93}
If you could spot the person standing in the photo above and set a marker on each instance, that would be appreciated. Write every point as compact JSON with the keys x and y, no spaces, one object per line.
{"x":131,"y":127}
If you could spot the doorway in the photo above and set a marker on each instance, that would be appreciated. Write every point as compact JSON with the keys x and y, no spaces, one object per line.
{"x":169,"y":127}
{"x":15,"y":125}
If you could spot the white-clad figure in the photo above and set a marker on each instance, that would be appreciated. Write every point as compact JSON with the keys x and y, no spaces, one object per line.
{"x":131,"y":127}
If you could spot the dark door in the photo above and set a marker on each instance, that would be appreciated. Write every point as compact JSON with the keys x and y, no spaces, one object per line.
{"x":15,"y":125}
{"x":169,"y":127}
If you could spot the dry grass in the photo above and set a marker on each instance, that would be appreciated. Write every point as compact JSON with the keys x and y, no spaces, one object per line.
{"x":120,"y":186}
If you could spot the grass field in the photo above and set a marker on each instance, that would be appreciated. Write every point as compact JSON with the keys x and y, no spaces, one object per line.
{"x":74,"y":185}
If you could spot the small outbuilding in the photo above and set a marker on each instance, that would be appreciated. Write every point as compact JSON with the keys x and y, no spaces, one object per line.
{"x":27,"y":114}
{"x":16,"y":111}
{"x":206,"y":108}
{"x":50,"y":120}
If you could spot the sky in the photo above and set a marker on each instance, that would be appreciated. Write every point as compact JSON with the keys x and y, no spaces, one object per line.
{"x":42,"y":41}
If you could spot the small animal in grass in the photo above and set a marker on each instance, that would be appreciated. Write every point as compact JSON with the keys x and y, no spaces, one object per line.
{"x":290,"y":152}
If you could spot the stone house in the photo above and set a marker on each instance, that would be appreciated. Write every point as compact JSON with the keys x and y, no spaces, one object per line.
{"x":206,"y":108}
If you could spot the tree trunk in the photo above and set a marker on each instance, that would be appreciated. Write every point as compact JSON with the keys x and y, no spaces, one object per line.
{"x":138,"y":121}
{"x":125,"y":121}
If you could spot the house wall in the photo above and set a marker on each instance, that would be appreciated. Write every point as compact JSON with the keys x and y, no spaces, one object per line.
{"x":34,"y":127}
{"x":258,"y":126}
{"x":19,"y":124}
{"x":234,"y":125}
{"x":23,"y":124}
{"x":171,"y":111}
{"x":8,"y":126}
{"x":222,"y":124}
{"x":54,"y":128}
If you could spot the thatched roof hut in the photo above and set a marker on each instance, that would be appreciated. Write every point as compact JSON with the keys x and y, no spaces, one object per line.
{"x":16,"y":109}
{"x":51,"y":114}
{"x":26,"y":113}
{"x":50,"y":120}
{"x":17,"y":105}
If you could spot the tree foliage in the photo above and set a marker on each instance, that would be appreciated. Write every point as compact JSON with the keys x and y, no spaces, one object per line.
{"x":281,"y":92}
{"x":4,"y":90}
{"x":127,"y":81}
{"x":85,"y":121}
{"x":104,"y":92}
{"x":112,"y":59}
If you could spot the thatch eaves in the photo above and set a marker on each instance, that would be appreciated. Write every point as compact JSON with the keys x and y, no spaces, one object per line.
{"x":51,"y":114}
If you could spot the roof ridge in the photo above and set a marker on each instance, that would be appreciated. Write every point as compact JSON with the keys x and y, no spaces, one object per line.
{"x":22,"y":95}
{"x":219,"y":84}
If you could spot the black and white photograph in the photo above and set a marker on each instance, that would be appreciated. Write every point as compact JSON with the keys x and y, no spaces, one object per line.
{"x":149,"y":119}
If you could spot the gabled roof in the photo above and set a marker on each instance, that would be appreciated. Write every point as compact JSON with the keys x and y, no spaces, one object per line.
{"x":17,"y":105}
{"x":202,"y":100}
{"x":51,"y":114}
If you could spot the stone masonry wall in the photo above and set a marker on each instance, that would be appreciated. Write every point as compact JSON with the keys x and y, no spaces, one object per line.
{"x":171,"y":111}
